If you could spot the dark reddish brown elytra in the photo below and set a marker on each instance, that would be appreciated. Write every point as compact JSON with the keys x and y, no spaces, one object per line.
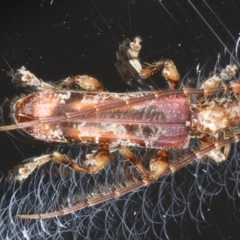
{"x":164,"y":120}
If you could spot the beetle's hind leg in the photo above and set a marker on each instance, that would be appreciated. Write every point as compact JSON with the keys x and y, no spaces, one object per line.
{"x":25,"y":78}
{"x":95,"y":162}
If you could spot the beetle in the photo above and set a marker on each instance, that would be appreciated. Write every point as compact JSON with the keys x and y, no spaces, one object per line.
{"x":162,"y":120}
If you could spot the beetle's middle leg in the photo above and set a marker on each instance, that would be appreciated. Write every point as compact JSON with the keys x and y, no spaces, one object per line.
{"x":158,"y":165}
{"x":169,"y":72}
{"x":130,"y":67}
{"x":95,"y":162}
{"x":84,"y":81}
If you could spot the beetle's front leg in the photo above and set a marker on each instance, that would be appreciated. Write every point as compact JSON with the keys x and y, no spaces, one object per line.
{"x":217,"y":154}
{"x":95,"y":162}
{"x":217,"y":80}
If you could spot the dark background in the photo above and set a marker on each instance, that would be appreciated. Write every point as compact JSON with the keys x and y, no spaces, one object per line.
{"x":56,"y":39}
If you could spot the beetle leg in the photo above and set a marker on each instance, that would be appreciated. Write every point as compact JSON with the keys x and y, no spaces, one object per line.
{"x":217,"y":80}
{"x":98,"y":160}
{"x":217,"y":154}
{"x":121,"y":60}
{"x":169,"y":72}
{"x":25,"y":78}
{"x":126,"y":152}
{"x":23,"y":171}
{"x":211,"y":149}
{"x":86,"y":82}
{"x":129,"y":65}
{"x":158,"y":165}
{"x":28,"y":168}
{"x":127,"y":61}
{"x":95,"y":162}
